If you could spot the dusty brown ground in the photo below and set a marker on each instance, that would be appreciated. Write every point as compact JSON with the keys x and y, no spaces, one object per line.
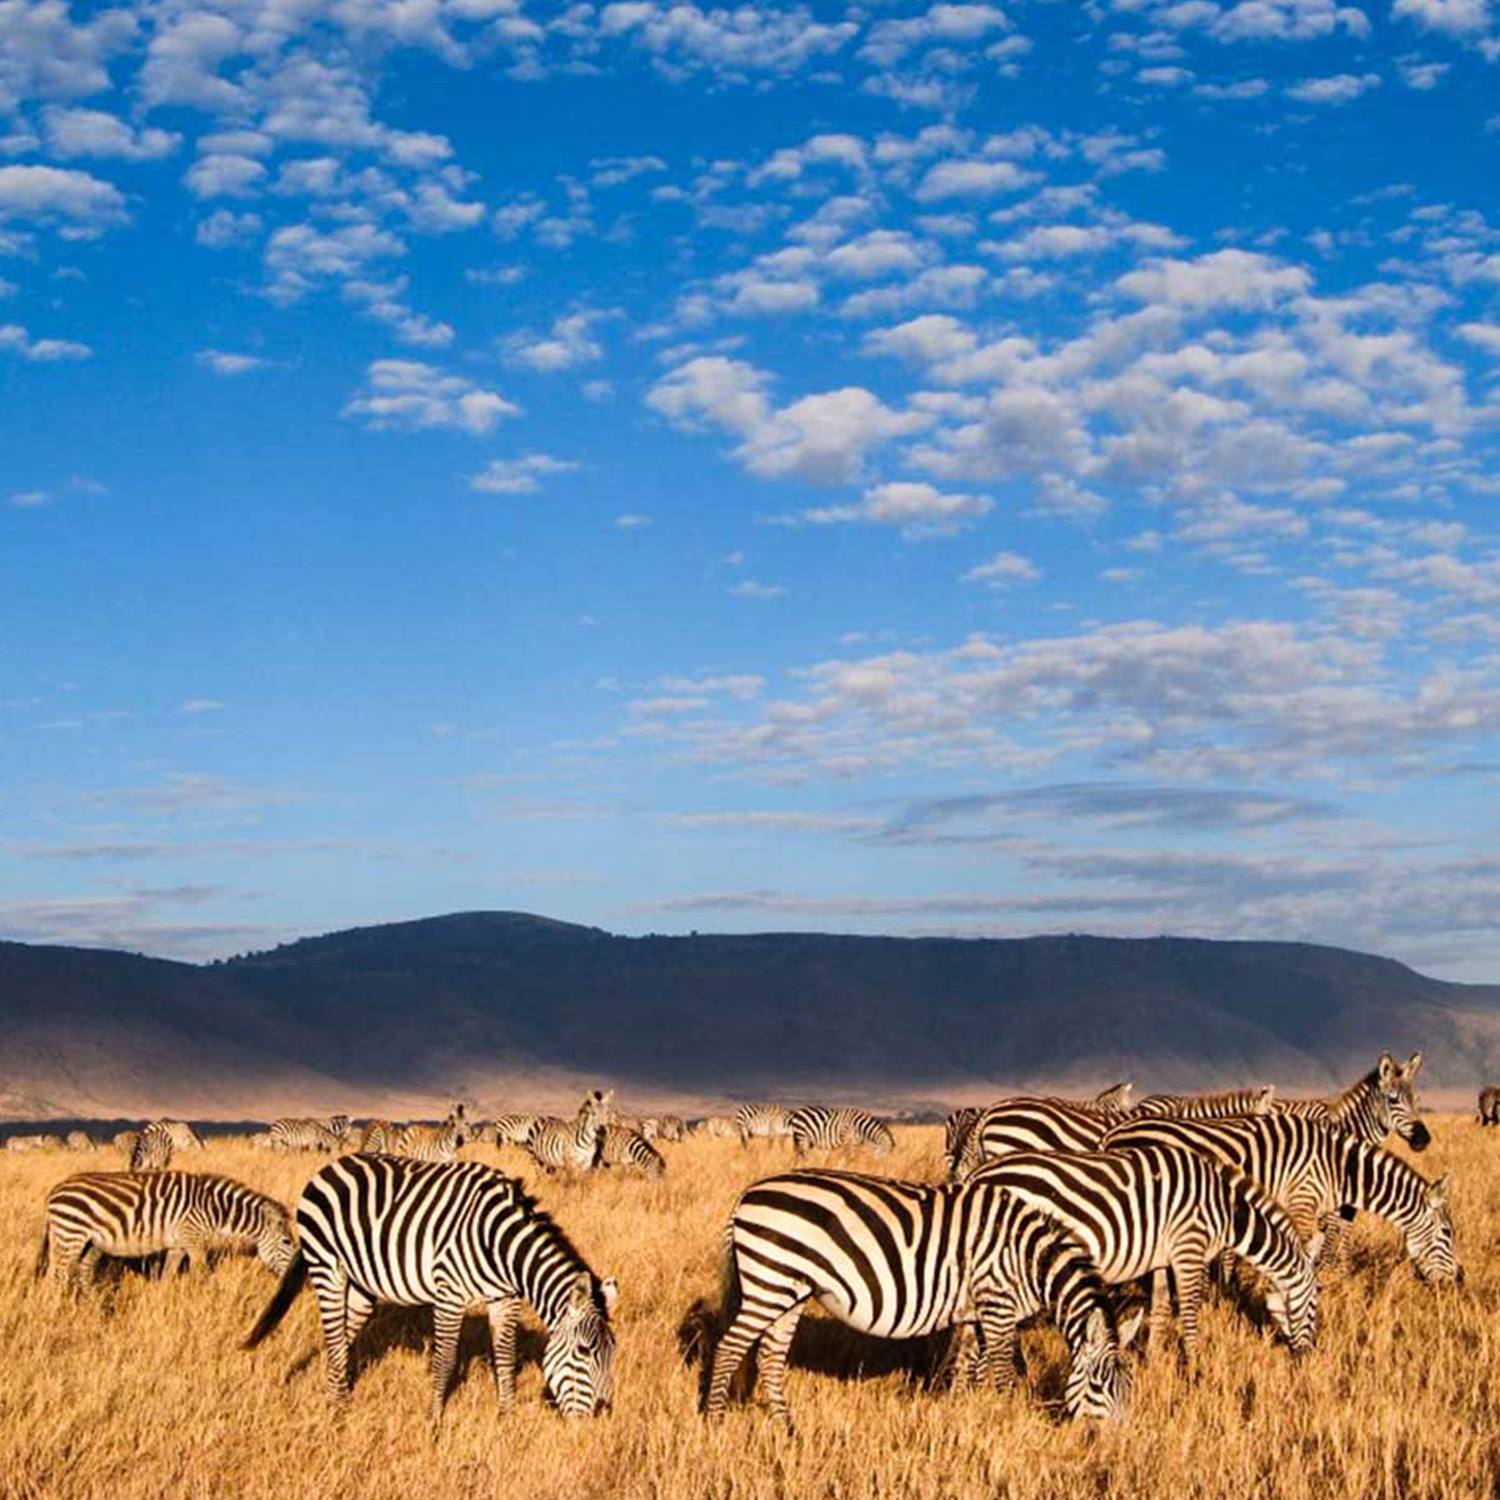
{"x":142,"y":1392}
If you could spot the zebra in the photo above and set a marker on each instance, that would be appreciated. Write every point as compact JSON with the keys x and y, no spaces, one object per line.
{"x":377,"y":1136}
{"x":184,"y":1137}
{"x":306,"y":1133}
{"x":133,"y":1214}
{"x":572,"y":1144}
{"x":620,"y":1146}
{"x":261,"y":1141}
{"x":33,"y":1143}
{"x":446,"y":1235}
{"x":1221,"y":1106}
{"x":1489,"y":1105}
{"x":1319,"y":1173}
{"x":431,"y":1142}
{"x":512,"y":1130}
{"x":904,"y":1259}
{"x":1385,"y":1099}
{"x":80,"y":1140}
{"x":124,"y":1140}
{"x":669,"y":1128}
{"x":762,"y":1122}
{"x":816,"y":1127}
{"x":715,"y":1127}
{"x":956,"y":1130}
{"x":1169,"y":1211}
{"x":1114,"y":1100}
{"x":153,"y":1148}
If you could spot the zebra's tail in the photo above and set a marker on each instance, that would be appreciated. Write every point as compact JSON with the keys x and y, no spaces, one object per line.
{"x":292,"y":1282}
{"x":43,"y":1254}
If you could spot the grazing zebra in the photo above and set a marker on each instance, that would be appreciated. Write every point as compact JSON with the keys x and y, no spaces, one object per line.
{"x":762,"y":1122}
{"x":1489,"y":1105}
{"x":512,"y":1130}
{"x":184,"y":1137}
{"x":1165,"y":1210}
{"x":431,"y":1142}
{"x":1221,"y":1106}
{"x":446,"y":1235}
{"x":816,"y":1127}
{"x":572,"y":1145}
{"x":80,"y":1140}
{"x":184,"y":1213}
{"x":1385,"y":1099}
{"x":153,"y":1148}
{"x":124,"y":1140}
{"x":377,"y":1136}
{"x":715,"y":1127}
{"x":262,"y":1141}
{"x":307,"y":1133}
{"x":1318,"y":1173}
{"x":904,"y":1259}
{"x":956,"y":1130}
{"x":620,"y":1146}
{"x":670,"y":1128}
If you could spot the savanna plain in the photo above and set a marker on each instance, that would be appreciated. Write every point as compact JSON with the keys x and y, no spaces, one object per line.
{"x":141,"y":1391}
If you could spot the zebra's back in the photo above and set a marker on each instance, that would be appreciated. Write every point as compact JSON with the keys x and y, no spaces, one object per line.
{"x":153,"y":1148}
{"x":817,"y":1127}
{"x":622,"y":1147}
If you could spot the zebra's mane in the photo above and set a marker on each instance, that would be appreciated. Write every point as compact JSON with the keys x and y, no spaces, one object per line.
{"x":538,"y":1215}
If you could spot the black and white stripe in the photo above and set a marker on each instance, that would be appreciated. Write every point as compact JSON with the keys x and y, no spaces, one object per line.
{"x":512,"y":1130}
{"x":135,"y":1214}
{"x":80,"y":1140}
{"x":1029,"y":1124}
{"x":668,"y":1128}
{"x":447,"y":1235}
{"x":153,"y":1148}
{"x":715,"y":1127}
{"x":1221,"y":1106}
{"x":431,"y":1142}
{"x":763,"y":1122}
{"x":817,"y":1127}
{"x":572,"y":1145}
{"x":619,"y":1146}
{"x":1384,"y":1100}
{"x":34,"y":1143}
{"x":1164,"y":1210}
{"x":310,"y":1133}
{"x":905,"y":1259}
{"x":1319,"y":1174}
{"x":184,"y":1137}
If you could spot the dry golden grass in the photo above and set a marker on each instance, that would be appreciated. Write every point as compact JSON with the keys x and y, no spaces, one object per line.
{"x":142,"y":1392}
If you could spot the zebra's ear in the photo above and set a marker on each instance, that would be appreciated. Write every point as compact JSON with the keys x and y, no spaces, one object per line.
{"x":1413,"y":1066}
{"x":581,"y":1293}
{"x":1388,"y":1070}
{"x":1096,"y":1330}
{"x":1315,"y":1247}
{"x":1131,"y":1326}
{"x":609,"y":1290}
{"x":1265,"y":1099}
{"x":1437,"y":1192}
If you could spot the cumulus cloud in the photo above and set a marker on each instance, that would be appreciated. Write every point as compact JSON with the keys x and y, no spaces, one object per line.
{"x":76,"y":203}
{"x":1003,"y":570}
{"x":917,"y":509}
{"x":14,"y":339}
{"x":519,"y":476}
{"x":223,"y":362}
{"x":94,"y":132}
{"x":570,"y":343}
{"x":405,"y":395}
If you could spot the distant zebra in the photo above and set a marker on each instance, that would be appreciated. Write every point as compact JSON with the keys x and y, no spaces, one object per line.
{"x":572,"y":1145}
{"x":80,"y":1140}
{"x":153,"y":1148}
{"x":763,"y":1122}
{"x":819,"y":1128}
{"x":133,"y":1214}
{"x":512,"y":1130}
{"x":1169,"y":1212}
{"x":376,"y":1136}
{"x":309,"y":1133}
{"x":34,"y":1143}
{"x":1114,"y":1100}
{"x":446,"y":1235}
{"x":1220,"y":1106}
{"x":669,"y":1128}
{"x":905,"y":1259}
{"x":431,"y":1142}
{"x":1385,"y":1099}
{"x":715,"y":1127}
{"x":261,"y":1141}
{"x":184,"y":1137}
{"x":622,"y":1147}
{"x":1317,"y":1173}
{"x":124,"y":1140}
{"x":956,"y":1130}
{"x":1489,"y":1105}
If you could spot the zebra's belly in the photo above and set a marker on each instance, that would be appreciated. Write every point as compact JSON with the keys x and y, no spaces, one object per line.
{"x":133,"y":1242}
{"x":911,"y":1315}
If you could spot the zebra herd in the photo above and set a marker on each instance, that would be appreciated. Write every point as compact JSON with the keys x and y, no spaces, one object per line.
{"x":1050,"y":1207}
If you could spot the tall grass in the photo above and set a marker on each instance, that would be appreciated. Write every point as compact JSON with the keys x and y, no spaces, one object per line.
{"x":141,"y":1392}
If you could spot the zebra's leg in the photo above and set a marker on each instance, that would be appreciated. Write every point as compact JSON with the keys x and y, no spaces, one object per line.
{"x":447,"y":1324}
{"x":503,"y":1349}
{"x":1161,"y":1305}
{"x":750,"y":1322}
{"x":957,"y":1367}
{"x":357,"y":1310}
{"x":176,"y":1258}
{"x":1188,"y":1272}
{"x":1331,"y":1257}
{"x":1000,"y":1361}
{"x":775,"y":1347}
{"x":332,"y":1289}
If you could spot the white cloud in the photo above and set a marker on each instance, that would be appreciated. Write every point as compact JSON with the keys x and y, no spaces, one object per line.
{"x":43,"y":55}
{"x":570,"y":343}
{"x":404,"y":395}
{"x":93,"y":132}
{"x":918,"y":509}
{"x":224,"y":228}
{"x":1341,"y":88}
{"x":1224,"y":278}
{"x":1003,"y":570}
{"x":220,"y":362}
{"x":79,"y":204}
{"x":223,"y":175}
{"x":972,"y":179}
{"x":1457,"y":18}
{"x":14,"y":339}
{"x":732,"y":44}
{"x":299,"y":256}
{"x":519,"y":476}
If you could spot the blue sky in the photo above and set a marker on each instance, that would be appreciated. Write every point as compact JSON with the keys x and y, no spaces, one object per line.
{"x":954,"y":469}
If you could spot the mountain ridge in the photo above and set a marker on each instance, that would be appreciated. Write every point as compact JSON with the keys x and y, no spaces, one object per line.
{"x":518,"y":1009}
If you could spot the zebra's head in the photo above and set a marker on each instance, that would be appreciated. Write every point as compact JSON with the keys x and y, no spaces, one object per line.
{"x":1429,"y":1238}
{"x":275,"y":1245}
{"x":1292,"y":1301}
{"x":882,"y":1142}
{"x":578,"y":1362}
{"x":339,"y":1125}
{"x":598,"y":1107}
{"x":1398,"y":1099}
{"x":1098,"y":1379}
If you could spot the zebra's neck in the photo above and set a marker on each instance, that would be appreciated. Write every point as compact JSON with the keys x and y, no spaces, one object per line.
{"x":1356,"y":1110}
{"x":1374,"y":1181}
{"x":1069,"y":1288}
{"x":545,"y":1273}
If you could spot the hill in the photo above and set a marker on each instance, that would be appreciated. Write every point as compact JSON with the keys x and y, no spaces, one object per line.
{"x":503,"y":1006}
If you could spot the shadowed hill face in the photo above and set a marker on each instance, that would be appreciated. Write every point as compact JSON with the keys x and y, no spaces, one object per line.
{"x":514,"y":1007}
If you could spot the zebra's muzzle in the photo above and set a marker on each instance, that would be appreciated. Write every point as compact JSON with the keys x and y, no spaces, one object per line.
{"x":1420,"y":1138}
